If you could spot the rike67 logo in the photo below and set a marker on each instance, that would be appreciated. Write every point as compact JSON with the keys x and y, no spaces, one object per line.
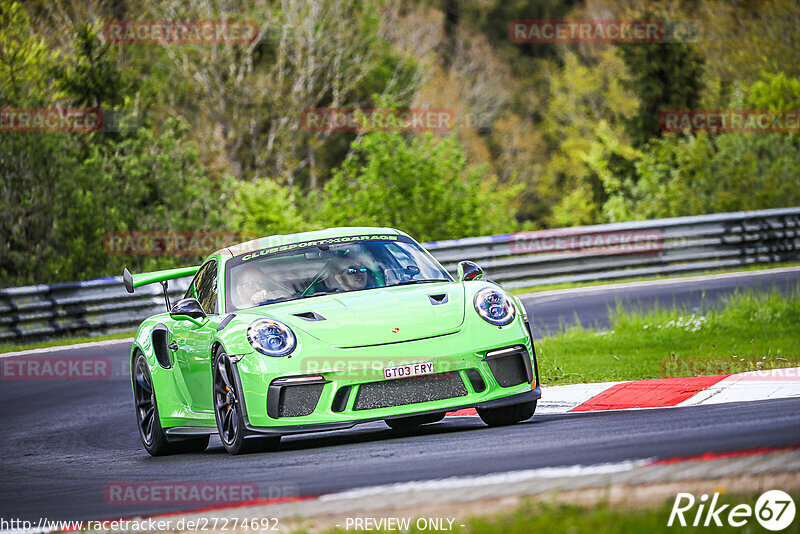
{"x":774,"y":510}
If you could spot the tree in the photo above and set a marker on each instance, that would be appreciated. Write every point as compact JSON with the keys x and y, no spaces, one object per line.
{"x":252,"y":95}
{"x":690,"y":174}
{"x":31,"y":164}
{"x":93,"y":79}
{"x":662,"y":76}
{"x":62,"y":192}
{"x":421,"y":186}
{"x":590,"y":152}
{"x":263,"y":208}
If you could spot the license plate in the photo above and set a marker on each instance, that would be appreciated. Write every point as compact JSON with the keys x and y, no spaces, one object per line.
{"x":404,"y":371}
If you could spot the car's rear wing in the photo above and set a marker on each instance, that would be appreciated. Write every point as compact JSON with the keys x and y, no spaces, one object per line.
{"x":132,"y":281}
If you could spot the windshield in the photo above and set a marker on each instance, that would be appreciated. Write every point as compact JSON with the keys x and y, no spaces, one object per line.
{"x":267,"y":276}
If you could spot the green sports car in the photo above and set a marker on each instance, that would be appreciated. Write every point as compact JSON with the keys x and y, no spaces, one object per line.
{"x":321,"y":331}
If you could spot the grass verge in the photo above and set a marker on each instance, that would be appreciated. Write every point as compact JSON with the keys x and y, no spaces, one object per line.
{"x":750,"y":331}
{"x":558,"y":518}
{"x":64,"y":341}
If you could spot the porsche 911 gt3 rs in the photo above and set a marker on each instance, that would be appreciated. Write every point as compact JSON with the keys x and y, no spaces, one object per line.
{"x":321,"y":331}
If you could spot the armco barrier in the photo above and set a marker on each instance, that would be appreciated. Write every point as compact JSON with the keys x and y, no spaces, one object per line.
{"x":89,"y":308}
{"x":641,"y":248}
{"x":600,"y":252}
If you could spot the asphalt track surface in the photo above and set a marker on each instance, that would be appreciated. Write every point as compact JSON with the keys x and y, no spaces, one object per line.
{"x":64,"y":441}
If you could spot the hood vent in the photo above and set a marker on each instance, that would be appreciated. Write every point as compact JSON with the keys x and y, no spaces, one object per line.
{"x":437,"y":299}
{"x":309,"y":316}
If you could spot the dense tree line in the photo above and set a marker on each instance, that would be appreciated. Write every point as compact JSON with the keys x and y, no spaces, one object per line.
{"x":209,"y":138}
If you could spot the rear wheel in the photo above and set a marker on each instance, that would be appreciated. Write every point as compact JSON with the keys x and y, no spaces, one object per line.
{"x":229,"y":415}
{"x":151,"y":433}
{"x":414,"y":421}
{"x":507,"y":415}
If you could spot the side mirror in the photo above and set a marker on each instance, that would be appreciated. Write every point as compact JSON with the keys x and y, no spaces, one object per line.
{"x":188,"y":309}
{"x":468,"y":270}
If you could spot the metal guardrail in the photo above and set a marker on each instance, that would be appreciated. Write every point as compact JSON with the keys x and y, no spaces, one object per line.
{"x":622,"y":250}
{"x":95,"y":307}
{"x":523,"y":259}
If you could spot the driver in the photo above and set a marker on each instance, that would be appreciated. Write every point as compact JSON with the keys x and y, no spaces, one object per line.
{"x":253,"y":288}
{"x":350,"y":274}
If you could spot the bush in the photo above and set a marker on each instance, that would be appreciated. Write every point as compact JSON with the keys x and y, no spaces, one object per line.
{"x":421,"y":186}
{"x":700,"y":173}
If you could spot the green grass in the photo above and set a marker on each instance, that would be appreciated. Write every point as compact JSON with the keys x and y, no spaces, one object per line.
{"x":751,"y":330}
{"x":544,"y":518}
{"x":64,"y":341}
{"x":571,"y":285}
{"x":547,"y":518}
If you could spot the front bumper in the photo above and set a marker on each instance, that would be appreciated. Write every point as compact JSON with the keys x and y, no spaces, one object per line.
{"x":519,"y":398}
{"x":348,"y":370}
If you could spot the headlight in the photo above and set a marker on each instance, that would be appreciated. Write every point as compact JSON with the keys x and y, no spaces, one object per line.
{"x":494,"y":306}
{"x":271,"y":337}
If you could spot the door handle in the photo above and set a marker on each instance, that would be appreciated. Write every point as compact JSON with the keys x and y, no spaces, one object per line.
{"x":173,"y":346}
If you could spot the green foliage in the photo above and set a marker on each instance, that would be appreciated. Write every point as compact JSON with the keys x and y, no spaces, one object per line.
{"x":34,"y":174}
{"x":92,"y":79}
{"x":32,"y":167}
{"x":211,"y":136}
{"x":704,"y":173}
{"x":63,"y":192}
{"x":663,"y":76}
{"x":24,"y":59}
{"x":707,"y":173}
{"x":743,"y":39}
{"x":145,"y":182}
{"x":585,"y":124}
{"x":493,"y":17}
{"x":422,"y":186}
{"x":265,"y":208}
{"x":775,"y":91}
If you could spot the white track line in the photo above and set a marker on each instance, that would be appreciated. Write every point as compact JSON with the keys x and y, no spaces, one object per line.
{"x":68,"y":347}
{"x":511,"y":477}
{"x":540,"y":295}
{"x":561,"y":399}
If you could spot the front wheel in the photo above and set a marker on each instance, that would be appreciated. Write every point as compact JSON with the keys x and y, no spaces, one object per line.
{"x":228,"y":412}
{"x":507,"y":415}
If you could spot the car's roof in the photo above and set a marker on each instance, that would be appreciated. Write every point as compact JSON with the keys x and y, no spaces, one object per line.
{"x":275,"y":240}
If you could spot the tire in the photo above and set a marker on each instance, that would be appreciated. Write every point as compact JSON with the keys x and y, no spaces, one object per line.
{"x":507,"y":415}
{"x":414,"y":421}
{"x":229,"y":413}
{"x":148,"y":421}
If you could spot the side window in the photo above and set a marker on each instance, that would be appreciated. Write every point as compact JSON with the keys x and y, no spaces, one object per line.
{"x":204,"y":287}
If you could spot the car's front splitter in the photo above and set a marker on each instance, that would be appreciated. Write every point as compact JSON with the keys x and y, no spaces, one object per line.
{"x":519,"y":398}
